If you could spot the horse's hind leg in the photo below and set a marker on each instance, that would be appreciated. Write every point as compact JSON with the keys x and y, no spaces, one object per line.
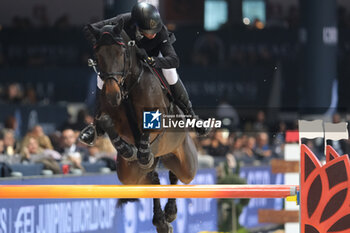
{"x":170,"y":207}
{"x":159,"y":220}
{"x":183,"y":162}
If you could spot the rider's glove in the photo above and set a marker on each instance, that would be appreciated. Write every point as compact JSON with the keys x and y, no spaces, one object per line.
{"x":151,"y":61}
{"x":141,"y":54}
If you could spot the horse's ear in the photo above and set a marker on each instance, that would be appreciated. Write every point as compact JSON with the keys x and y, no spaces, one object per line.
{"x":94,"y":30}
{"x":119,"y":26}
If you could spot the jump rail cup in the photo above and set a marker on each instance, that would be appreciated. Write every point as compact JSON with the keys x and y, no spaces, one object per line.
{"x":146,"y":191}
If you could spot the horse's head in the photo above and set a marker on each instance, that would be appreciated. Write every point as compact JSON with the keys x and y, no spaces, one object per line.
{"x":111,"y":54}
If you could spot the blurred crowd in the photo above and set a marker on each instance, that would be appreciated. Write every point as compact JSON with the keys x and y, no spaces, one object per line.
{"x":17,"y":93}
{"x":256,"y":142}
{"x":53,"y":151}
{"x":240,"y":142}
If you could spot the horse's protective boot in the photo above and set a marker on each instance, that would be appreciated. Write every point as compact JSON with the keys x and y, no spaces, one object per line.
{"x":88,"y":135}
{"x":182,"y":100}
{"x":144,"y":155}
{"x":127,"y":151}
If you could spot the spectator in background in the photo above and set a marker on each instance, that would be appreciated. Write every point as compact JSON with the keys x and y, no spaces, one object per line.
{"x":71,"y":151}
{"x":32,"y":153}
{"x":13,"y":94}
{"x":37,"y":132}
{"x":9,"y":142}
{"x":237,"y":148}
{"x":11,"y":123}
{"x":2,"y":146}
{"x":218,"y":146}
{"x":204,"y":160}
{"x":262,"y":149}
{"x":249,"y":145}
{"x":260,"y":123}
{"x":94,"y":153}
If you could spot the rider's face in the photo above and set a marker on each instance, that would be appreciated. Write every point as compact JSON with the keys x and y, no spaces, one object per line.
{"x":149,"y":36}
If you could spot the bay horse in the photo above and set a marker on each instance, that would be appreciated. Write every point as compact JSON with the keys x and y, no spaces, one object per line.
{"x":129,"y":88}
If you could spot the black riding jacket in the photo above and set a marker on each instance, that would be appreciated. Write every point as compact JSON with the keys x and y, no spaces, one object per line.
{"x":162,"y":43}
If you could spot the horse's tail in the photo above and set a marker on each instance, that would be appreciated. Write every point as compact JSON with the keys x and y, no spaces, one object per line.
{"x":121,"y":202}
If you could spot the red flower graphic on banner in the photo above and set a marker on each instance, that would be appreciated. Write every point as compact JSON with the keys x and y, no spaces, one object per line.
{"x":325,"y":196}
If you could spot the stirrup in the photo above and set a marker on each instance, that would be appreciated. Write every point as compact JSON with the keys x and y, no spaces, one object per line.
{"x":83,"y":138}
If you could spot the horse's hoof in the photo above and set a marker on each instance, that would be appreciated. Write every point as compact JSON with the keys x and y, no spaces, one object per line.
{"x":165,"y":228}
{"x":170,"y":211}
{"x":146,"y":164}
{"x":170,"y":217}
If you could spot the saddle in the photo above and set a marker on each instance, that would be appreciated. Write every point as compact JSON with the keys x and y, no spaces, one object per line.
{"x":163,"y":82}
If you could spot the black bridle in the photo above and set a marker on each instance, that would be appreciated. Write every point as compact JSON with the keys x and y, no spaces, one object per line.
{"x":120,"y":76}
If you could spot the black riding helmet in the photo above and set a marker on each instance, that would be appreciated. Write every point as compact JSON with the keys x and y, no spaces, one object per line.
{"x":147,"y":18}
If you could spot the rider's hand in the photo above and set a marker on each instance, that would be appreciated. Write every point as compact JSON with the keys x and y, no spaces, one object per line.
{"x":151,"y":61}
{"x":142,"y":54}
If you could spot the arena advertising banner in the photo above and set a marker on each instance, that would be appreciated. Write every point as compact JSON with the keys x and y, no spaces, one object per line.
{"x":259,"y":175}
{"x":102,"y":215}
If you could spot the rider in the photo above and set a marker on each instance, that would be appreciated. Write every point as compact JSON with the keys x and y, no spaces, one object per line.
{"x":144,"y":25}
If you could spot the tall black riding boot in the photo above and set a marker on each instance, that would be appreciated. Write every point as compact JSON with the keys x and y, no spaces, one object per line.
{"x":182,"y":100}
{"x":89,"y":134}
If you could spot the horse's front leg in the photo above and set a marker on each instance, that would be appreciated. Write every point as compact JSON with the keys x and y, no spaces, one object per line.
{"x":159,"y":220}
{"x":126,"y":150}
{"x":144,"y":155}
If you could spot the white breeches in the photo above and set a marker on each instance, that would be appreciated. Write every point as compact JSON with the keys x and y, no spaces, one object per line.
{"x":170,"y":75}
